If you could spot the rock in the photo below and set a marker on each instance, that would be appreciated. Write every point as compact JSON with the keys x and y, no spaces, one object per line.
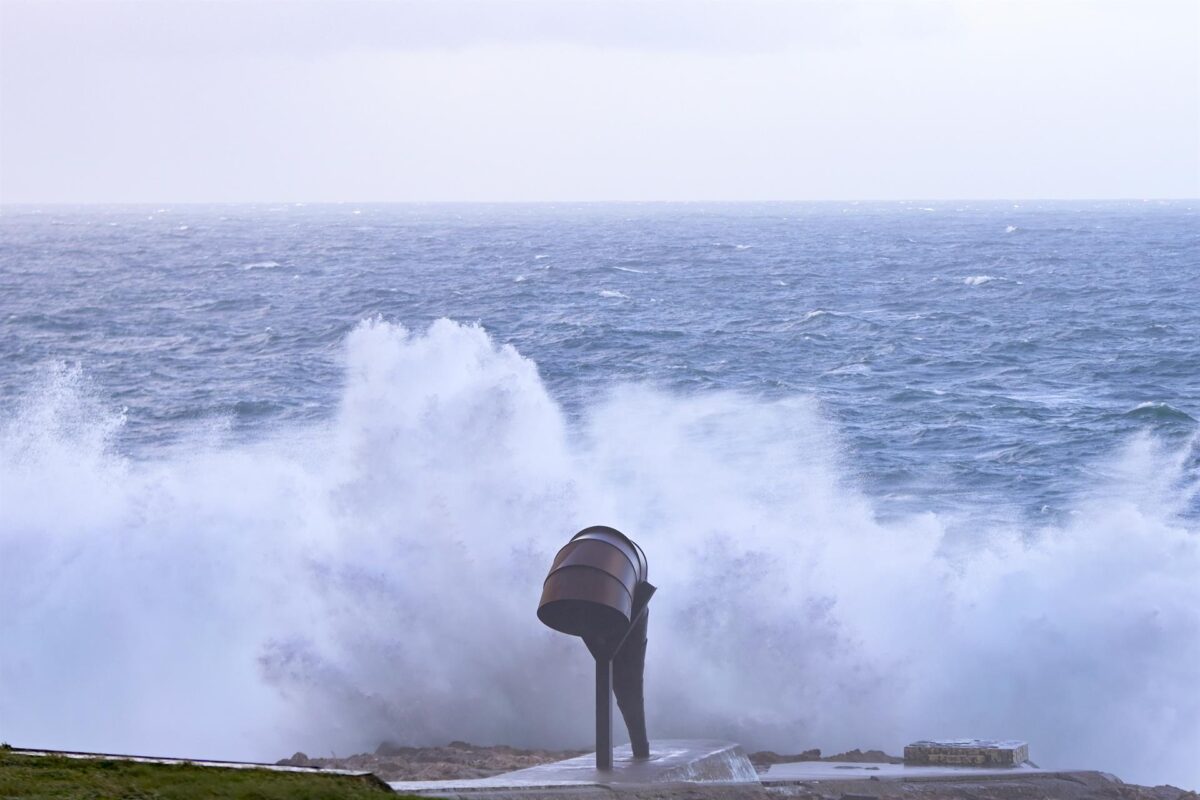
{"x":392,"y":761}
{"x":298,"y":759}
{"x":765,"y":758}
{"x":865,"y":757}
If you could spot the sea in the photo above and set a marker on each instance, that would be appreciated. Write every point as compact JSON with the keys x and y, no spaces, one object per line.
{"x":288,"y":477}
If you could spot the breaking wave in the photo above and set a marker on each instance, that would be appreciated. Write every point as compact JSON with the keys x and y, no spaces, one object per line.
{"x":376,"y":577}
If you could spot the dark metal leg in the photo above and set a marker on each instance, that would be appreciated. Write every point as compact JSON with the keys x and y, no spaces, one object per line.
{"x":604,"y":746}
{"x":628,"y":669}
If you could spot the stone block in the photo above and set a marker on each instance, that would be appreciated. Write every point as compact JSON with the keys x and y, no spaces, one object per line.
{"x":967,"y":753}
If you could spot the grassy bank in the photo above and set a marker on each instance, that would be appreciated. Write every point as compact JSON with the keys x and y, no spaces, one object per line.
{"x":45,"y":777}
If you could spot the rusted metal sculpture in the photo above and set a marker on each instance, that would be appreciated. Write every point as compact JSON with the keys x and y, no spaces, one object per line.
{"x":597,"y":589}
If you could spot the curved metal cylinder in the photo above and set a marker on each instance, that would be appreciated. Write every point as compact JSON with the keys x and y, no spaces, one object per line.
{"x":590,"y":588}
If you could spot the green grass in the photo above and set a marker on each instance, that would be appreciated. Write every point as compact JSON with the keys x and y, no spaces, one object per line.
{"x":45,"y":777}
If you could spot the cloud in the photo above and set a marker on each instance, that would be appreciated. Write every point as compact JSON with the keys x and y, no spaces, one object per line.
{"x":305,"y":28}
{"x":538,"y":100}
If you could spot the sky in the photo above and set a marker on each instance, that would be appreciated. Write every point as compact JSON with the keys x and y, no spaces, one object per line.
{"x":575,"y":100}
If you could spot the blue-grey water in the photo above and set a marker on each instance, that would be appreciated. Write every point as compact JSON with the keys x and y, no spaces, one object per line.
{"x":905,"y":470}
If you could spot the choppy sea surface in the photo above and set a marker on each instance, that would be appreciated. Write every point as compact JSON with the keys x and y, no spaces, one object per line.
{"x":276,"y":477}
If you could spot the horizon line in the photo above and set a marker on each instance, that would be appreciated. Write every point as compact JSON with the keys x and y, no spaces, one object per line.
{"x":303,"y":203}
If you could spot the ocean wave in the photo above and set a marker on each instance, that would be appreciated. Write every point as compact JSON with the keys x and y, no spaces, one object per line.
{"x":376,"y":576}
{"x":1157,"y":411}
{"x":818,"y":314}
{"x":980,"y":280}
{"x":630,"y":269}
{"x":612,"y":293}
{"x":261,"y":265}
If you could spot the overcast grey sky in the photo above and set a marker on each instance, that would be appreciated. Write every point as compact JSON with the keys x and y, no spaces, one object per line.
{"x":329,"y":100}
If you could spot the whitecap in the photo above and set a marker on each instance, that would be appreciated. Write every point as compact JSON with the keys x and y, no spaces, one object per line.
{"x":850,"y":369}
{"x":1010,"y":229}
{"x":612,"y":293}
{"x":261,"y":265}
{"x":821,"y":312}
{"x":979,"y":280}
{"x":540,"y":256}
{"x":630,"y":269}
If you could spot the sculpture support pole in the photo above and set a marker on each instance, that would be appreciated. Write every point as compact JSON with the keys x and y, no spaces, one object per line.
{"x":604,"y":745}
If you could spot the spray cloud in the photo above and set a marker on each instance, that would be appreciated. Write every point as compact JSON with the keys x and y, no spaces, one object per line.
{"x":376,"y":577}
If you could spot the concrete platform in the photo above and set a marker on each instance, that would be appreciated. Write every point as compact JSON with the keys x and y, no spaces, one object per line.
{"x":672,"y":761}
{"x":813,"y":771}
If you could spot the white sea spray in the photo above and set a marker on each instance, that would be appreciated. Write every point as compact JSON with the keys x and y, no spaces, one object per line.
{"x":376,"y":577}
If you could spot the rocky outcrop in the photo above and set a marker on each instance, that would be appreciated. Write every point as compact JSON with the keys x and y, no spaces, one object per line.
{"x":765,"y":758}
{"x":395,"y":762}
